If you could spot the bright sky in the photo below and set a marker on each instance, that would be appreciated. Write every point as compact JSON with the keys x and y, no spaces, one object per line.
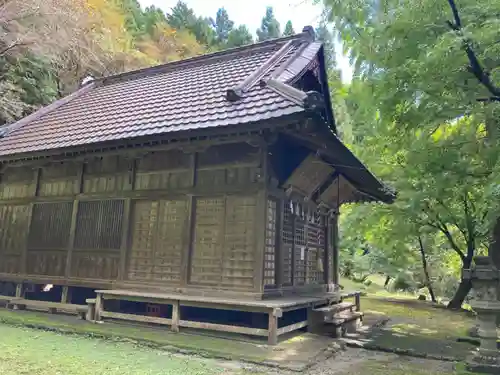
{"x":300,"y":12}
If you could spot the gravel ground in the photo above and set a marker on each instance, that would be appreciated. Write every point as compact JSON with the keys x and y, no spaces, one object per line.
{"x":358,"y":362}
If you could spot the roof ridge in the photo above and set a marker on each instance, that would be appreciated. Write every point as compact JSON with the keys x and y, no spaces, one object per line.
{"x":189,"y":62}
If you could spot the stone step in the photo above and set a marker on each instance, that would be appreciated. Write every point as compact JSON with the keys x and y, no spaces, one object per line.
{"x":344,"y":317}
{"x":335,"y":309}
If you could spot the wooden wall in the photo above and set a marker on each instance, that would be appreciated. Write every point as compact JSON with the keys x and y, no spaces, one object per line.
{"x":165,"y":218}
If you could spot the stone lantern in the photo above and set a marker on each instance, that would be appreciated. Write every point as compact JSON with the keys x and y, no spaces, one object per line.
{"x":485,"y":277}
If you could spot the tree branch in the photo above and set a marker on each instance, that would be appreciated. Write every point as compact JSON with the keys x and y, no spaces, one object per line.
{"x":475,"y":66}
{"x":11,"y":46}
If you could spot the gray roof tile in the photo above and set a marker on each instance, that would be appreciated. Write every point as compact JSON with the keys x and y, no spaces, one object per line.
{"x":186,"y":95}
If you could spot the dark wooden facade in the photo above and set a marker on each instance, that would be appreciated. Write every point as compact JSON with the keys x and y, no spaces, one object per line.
{"x":200,"y":218}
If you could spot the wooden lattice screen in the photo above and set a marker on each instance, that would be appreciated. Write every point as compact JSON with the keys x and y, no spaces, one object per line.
{"x":270,"y":250}
{"x":303,"y":241}
{"x":50,"y":226}
{"x":287,"y":244}
{"x":49,"y":238}
{"x":99,"y":224}
{"x":14,"y":221}
{"x":158,"y":240}
{"x":224,"y":242}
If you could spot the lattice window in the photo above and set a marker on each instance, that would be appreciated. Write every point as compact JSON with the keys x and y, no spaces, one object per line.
{"x":300,"y":249}
{"x":99,"y":225}
{"x":287,"y":237}
{"x":13,"y":228}
{"x":270,"y":252}
{"x":50,"y":225}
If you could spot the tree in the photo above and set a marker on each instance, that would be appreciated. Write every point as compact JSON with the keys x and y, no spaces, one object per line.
{"x":270,"y":27}
{"x":432,"y":65}
{"x":239,"y":36}
{"x":223,"y":26}
{"x":289,"y":29}
{"x":182,"y":17}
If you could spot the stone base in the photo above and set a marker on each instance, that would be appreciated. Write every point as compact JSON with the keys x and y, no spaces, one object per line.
{"x":484,"y":361}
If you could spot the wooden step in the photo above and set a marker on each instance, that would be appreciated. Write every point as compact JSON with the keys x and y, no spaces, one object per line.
{"x":344,"y":317}
{"x":334,"y":309}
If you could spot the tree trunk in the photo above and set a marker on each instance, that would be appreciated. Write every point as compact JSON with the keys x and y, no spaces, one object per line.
{"x":458,"y":299}
{"x":426,"y":270}
{"x":387,"y":281}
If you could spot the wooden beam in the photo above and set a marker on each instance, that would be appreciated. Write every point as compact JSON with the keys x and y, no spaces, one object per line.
{"x":134,"y":317}
{"x":124,"y":242}
{"x":292,"y":327}
{"x":224,"y":328}
{"x":71,"y":241}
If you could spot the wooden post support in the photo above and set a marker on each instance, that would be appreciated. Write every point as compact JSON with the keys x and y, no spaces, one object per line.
{"x":176,"y":314}
{"x":357,"y":297}
{"x":66,"y":294}
{"x":98,"y":307}
{"x":71,"y":239}
{"x":124,"y":242}
{"x":272,"y":329}
{"x":19,"y":290}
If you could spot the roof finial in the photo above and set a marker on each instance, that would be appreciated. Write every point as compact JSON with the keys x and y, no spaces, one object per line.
{"x":310,"y":30}
{"x":87,"y":79}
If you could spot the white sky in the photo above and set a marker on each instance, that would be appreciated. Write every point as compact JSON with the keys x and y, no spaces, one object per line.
{"x":250,"y":13}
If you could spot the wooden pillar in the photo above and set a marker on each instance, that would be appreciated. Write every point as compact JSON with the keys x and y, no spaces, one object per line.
{"x":125,"y":238}
{"x":98,"y":307}
{"x":260,"y":224}
{"x":176,"y":314}
{"x":71,"y":240}
{"x":279,"y":254}
{"x":189,"y":228}
{"x":66,"y":294}
{"x":272,"y":329}
{"x":335,"y":245}
{"x":20,"y":290}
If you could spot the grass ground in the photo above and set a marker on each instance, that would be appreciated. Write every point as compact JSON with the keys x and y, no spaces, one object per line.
{"x":26,"y":351}
{"x":415,"y":325}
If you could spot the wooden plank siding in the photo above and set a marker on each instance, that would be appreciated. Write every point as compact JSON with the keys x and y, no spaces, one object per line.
{"x":173,"y":218}
{"x":191,"y":219}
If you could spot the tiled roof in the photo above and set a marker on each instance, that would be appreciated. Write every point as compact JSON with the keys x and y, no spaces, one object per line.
{"x":185,"y":95}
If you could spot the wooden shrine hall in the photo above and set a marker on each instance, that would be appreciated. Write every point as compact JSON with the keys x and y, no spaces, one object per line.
{"x":212,"y":183}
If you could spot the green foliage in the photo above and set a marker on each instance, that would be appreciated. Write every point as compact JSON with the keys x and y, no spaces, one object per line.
{"x":423,"y":113}
{"x":238,"y":37}
{"x":223,"y":26}
{"x":289,"y":29}
{"x":270,"y":27}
